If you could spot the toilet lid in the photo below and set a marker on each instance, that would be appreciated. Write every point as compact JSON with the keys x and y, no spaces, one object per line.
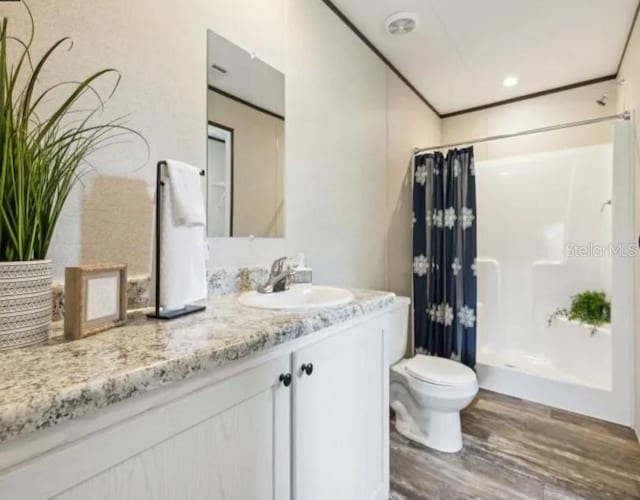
{"x":440,"y":371}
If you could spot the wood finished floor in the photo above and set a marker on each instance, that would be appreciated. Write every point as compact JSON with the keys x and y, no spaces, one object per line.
{"x":515,"y":449}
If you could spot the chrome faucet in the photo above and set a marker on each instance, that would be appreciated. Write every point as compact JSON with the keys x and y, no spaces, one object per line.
{"x":280,"y":276}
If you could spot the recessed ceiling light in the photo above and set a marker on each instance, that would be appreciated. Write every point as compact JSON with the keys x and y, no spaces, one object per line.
{"x":510,"y":81}
{"x":402,"y":23}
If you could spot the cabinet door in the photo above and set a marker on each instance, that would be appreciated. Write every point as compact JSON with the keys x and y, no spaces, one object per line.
{"x":235,"y":446}
{"x":340,"y":417}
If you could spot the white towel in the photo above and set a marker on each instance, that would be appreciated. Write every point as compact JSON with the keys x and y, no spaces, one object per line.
{"x":182,"y":254}
{"x":187,"y":199}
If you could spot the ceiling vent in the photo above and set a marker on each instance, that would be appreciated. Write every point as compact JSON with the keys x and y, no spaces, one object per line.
{"x":402,"y":23}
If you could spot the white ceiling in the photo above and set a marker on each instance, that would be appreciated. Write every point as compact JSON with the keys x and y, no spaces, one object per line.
{"x":464,"y":49}
{"x":247,"y":78}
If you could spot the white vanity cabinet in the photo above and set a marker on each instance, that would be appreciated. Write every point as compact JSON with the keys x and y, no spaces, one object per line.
{"x":228,"y":440}
{"x":243,"y":432}
{"x":340,"y":417}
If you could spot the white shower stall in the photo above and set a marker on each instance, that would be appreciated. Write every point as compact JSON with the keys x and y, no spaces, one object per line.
{"x":550,"y":226}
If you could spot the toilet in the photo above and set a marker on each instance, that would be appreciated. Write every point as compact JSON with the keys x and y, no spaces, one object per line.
{"x":427,"y":393}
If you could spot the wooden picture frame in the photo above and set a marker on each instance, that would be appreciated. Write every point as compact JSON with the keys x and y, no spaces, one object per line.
{"x":95,"y":299}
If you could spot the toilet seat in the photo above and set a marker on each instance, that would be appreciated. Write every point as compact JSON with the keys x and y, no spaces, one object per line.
{"x":439,"y":371}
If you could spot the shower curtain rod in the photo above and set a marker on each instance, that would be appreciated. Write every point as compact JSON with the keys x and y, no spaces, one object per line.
{"x":626,"y":115}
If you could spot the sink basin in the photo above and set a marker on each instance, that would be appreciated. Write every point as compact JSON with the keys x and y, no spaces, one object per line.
{"x":298,"y":297}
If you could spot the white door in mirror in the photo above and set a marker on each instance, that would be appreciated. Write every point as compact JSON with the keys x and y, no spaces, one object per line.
{"x":298,"y":297}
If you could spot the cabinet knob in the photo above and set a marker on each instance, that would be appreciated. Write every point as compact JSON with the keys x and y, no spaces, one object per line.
{"x":285,"y":378}
{"x":307,"y":368}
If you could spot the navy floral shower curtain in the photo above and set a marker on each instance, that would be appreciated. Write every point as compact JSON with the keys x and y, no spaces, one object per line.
{"x":444,"y":255}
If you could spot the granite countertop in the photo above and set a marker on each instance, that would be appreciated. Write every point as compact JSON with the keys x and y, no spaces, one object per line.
{"x":41,"y":386}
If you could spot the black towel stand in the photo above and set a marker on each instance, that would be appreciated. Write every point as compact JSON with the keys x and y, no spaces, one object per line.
{"x":189,"y":308}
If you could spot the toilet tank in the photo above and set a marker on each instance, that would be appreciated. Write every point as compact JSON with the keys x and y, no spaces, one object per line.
{"x":399,"y":331}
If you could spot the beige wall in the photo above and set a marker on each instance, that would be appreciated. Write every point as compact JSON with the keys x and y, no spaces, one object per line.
{"x":347,"y":155}
{"x":343,"y":172}
{"x":571,"y":105}
{"x":629,"y":99}
{"x":409,"y":124}
{"x":160,"y":48}
{"x":258,"y":161}
{"x":336,"y":156}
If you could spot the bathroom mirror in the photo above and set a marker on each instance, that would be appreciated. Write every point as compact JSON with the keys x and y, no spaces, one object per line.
{"x":245,"y":143}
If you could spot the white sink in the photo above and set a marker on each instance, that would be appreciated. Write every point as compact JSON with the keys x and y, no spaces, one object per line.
{"x":298,"y":297}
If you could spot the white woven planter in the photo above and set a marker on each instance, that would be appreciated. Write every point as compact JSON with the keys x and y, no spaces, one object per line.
{"x":25,"y":303}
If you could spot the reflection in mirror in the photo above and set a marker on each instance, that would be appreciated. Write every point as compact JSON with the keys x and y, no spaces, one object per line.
{"x":245,"y":143}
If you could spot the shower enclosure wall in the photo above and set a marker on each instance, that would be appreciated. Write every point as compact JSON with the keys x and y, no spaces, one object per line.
{"x":550,"y":226}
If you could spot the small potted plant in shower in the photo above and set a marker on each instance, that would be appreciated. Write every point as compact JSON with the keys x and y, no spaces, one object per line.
{"x":591,"y":308}
{"x":46,"y":135}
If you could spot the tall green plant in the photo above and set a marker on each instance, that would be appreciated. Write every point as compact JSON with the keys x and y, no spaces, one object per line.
{"x":42,"y":157}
